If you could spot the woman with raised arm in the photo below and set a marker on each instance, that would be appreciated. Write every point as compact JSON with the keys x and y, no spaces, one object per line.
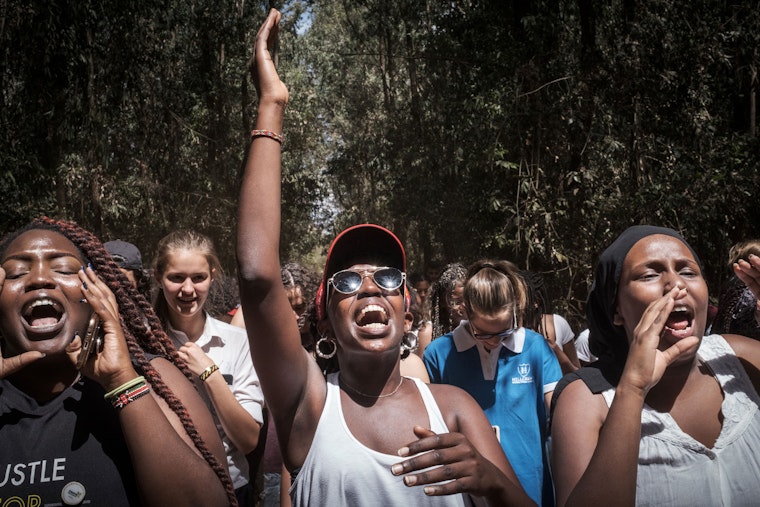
{"x":667,"y":416}
{"x":122,"y":426}
{"x":365,"y":435}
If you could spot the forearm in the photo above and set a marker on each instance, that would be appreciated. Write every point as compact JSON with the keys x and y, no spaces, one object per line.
{"x":239,"y":425}
{"x":565,"y":363}
{"x":259,"y":211}
{"x":167,"y":470}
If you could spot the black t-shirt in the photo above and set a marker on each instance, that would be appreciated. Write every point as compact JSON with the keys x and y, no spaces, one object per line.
{"x":68,"y":451}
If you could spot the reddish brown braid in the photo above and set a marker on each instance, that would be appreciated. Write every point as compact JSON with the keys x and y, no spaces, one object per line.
{"x":136,"y":312}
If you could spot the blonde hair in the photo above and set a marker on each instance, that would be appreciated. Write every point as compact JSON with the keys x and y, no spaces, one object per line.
{"x":175,"y":241}
{"x":493,"y":287}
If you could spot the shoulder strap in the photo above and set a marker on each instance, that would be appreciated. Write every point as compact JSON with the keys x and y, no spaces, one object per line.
{"x":597,"y":377}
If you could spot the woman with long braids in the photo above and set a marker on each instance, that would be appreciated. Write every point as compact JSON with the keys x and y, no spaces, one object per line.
{"x":124,"y":427}
{"x":365,"y":435}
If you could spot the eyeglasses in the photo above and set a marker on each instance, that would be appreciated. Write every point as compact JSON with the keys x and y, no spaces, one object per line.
{"x":501,"y":334}
{"x":455,"y":303}
{"x":349,"y":281}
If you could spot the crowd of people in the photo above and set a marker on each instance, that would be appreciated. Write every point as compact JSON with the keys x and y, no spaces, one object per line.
{"x":366,"y":384}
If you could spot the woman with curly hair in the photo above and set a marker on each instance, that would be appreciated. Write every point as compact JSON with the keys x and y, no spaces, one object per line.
{"x":122,"y":426}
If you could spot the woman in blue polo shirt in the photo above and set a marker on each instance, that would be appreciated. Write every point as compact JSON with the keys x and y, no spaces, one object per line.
{"x":509,"y":370}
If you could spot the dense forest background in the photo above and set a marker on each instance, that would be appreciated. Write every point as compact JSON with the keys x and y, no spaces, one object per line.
{"x":528,"y":130}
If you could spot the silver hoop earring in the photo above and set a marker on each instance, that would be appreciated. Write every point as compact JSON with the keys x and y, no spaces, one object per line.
{"x":320,"y":345}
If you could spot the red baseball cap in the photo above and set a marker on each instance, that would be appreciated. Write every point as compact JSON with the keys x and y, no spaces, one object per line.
{"x":368,"y":243}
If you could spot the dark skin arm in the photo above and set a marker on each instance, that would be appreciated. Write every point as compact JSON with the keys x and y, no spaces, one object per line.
{"x":168,"y":468}
{"x":292,"y":382}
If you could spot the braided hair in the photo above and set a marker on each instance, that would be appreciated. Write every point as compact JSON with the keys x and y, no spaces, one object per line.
{"x":453,"y":274}
{"x":538,"y":301}
{"x":142,"y":329}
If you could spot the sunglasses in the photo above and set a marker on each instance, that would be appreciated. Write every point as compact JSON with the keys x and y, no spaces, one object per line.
{"x":501,"y":334}
{"x":349,"y":281}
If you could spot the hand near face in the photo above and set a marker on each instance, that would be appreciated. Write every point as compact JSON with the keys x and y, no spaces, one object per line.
{"x":196,"y":359}
{"x":455,"y":460}
{"x":111,"y":366}
{"x":15,"y":363}
{"x":646,"y":363}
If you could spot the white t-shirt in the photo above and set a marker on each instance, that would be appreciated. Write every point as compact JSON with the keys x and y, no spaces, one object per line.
{"x":228,"y":347}
{"x":562,"y":330}
{"x":581,"y":348}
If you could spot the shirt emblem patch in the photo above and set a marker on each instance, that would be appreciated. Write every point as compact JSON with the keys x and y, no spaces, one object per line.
{"x":523,"y":369}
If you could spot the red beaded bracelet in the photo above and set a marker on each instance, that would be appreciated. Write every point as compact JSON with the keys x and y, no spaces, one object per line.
{"x":122,"y":400}
{"x":266,"y":133}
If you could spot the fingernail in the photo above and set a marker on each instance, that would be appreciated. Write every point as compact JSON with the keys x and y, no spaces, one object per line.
{"x":89,"y":265}
{"x":404,"y":451}
{"x":429,"y":490}
{"x":410,"y":480}
{"x":76,"y":333}
{"x":83,"y":300}
{"x":397,"y":469}
{"x":84,"y":284}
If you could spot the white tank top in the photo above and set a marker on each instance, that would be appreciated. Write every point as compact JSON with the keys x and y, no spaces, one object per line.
{"x":340,"y":471}
{"x":674,"y":469}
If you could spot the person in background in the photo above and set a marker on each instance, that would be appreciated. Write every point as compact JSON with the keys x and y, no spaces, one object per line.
{"x":585,"y":357}
{"x":738,"y":309}
{"x":446,"y":300}
{"x":422,"y":286}
{"x":127,"y":256}
{"x":667,"y":415}
{"x":185,"y":265}
{"x":365,"y":435}
{"x":411,"y":363}
{"x":433,"y":270}
{"x":123,"y":426}
{"x":509,"y":370}
{"x":554,"y":328}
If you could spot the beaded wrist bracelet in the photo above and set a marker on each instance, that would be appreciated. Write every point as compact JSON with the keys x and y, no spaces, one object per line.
{"x":128,"y":397}
{"x":266,"y":133}
{"x":207,"y":372}
{"x":127,"y":393}
{"x":124,"y":387}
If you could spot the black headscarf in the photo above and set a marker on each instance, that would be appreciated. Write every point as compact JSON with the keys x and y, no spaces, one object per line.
{"x":606,"y":338}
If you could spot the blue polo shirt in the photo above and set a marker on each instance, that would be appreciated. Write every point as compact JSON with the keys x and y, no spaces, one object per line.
{"x":509,"y":383}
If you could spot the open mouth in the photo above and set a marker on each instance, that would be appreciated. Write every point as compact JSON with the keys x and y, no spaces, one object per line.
{"x":372,"y":316}
{"x":42,"y":314}
{"x":680,"y":322}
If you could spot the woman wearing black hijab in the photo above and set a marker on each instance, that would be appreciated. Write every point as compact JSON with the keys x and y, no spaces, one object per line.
{"x":668,"y":416}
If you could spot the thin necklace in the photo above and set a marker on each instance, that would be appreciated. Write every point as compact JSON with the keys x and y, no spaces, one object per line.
{"x":370,"y":395}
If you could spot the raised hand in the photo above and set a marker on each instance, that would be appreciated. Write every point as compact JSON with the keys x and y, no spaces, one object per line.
{"x":262,"y":67}
{"x":646,"y":363}
{"x":748,"y":272}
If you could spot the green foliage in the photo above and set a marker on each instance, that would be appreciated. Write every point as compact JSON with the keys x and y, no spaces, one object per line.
{"x":533,"y":131}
